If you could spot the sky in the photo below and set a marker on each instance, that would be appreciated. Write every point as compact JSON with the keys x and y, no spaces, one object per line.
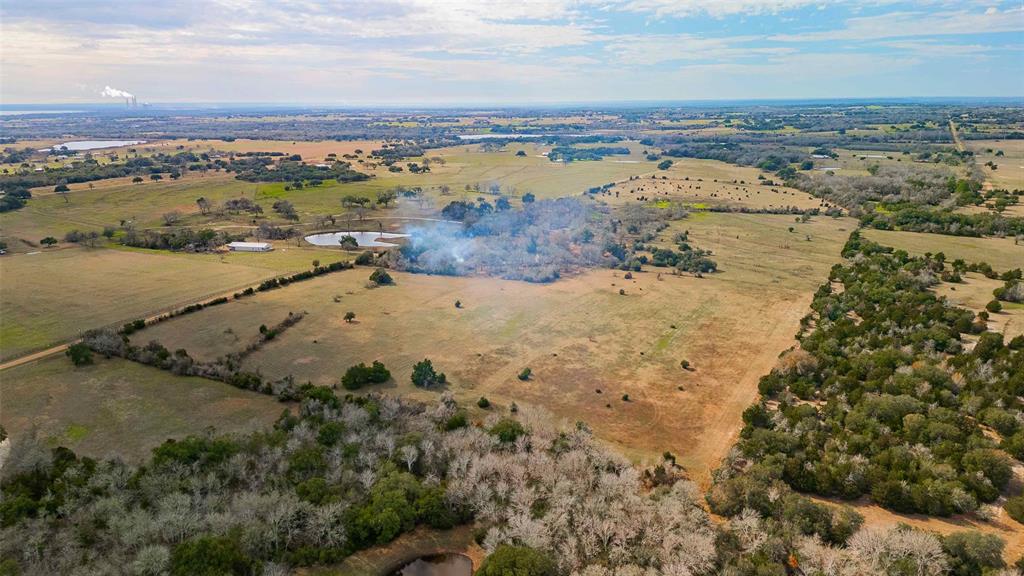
{"x":436,"y":52}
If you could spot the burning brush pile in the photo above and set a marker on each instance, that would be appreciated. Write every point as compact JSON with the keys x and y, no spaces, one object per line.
{"x":539,"y":243}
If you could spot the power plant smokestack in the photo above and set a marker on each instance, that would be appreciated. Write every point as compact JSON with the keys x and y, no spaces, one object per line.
{"x":130,"y":101}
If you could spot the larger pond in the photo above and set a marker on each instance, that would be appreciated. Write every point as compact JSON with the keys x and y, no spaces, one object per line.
{"x":439,"y":565}
{"x":367,"y":239}
{"x":80,"y":145}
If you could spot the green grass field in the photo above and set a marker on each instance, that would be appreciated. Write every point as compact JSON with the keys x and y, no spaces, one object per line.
{"x":120,"y":408}
{"x":108,"y":203}
{"x":1001,"y":253}
{"x":54,"y":295}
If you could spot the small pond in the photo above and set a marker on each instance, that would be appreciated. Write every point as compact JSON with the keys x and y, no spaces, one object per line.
{"x":80,"y":145}
{"x":439,"y":565}
{"x":368,"y":239}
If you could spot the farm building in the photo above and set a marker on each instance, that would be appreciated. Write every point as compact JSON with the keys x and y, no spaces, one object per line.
{"x":250,"y":247}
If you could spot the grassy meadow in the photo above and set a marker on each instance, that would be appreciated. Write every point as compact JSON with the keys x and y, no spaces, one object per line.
{"x":1001,"y":253}
{"x":121,"y":408}
{"x":51,"y":296}
{"x":586,"y":344}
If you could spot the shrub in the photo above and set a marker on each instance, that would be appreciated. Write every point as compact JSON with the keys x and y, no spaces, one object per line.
{"x":973,"y":552}
{"x":517,"y":560}
{"x":381,"y":277}
{"x":483,"y":402}
{"x":211,"y":556}
{"x":350,"y":316}
{"x":1015,"y":508}
{"x":80,"y":354}
{"x":360,"y":375}
{"x":365,"y":259}
{"x":424,"y":375}
{"x":508,"y":430}
{"x":994,"y":306}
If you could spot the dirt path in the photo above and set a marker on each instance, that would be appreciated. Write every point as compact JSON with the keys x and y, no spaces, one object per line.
{"x":956,"y":137}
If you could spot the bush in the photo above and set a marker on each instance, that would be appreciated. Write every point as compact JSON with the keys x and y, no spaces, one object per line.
{"x":365,"y":259}
{"x":994,"y":306}
{"x":973,"y":552}
{"x":483,"y":402}
{"x":381,"y":277}
{"x":360,"y":375}
{"x":211,"y":556}
{"x":1015,"y":508}
{"x":518,"y":561}
{"x":80,"y":354}
{"x":508,"y":430}
{"x":424,"y":375}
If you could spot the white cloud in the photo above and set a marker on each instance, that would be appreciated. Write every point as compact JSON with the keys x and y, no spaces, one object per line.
{"x":906,"y":24}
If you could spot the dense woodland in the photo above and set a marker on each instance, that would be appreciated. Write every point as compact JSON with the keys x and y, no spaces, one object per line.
{"x":889,"y":395}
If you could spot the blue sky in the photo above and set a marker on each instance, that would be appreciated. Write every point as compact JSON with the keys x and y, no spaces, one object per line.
{"x":528,"y":51}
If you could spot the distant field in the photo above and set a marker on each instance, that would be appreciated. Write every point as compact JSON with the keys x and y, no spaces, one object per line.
{"x":1009,"y":173}
{"x":107,"y":203}
{"x":120,"y":408}
{"x":709,"y":183}
{"x":578,"y":335}
{"x":1001,"y":253}
{"x":53,"y":296}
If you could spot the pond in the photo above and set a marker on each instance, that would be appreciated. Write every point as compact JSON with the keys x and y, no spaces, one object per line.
{"x":80,"y":145}
{"x":367,"y":239}
{"x":439,"y":565}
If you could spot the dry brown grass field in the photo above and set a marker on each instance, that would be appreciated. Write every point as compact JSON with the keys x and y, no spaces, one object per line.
{"x":1009,"y":173}
{"x":1001,"y":253}
{"x":974,"y":293}
{"x":120,"y":408}
{"x":586,"y":344}
{"x":709,"y":183}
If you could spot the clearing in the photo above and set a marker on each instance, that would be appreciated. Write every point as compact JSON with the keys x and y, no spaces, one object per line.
{"x":120,"y":408}
{"x":53,"y":295}
{"x":1001,"y":253}
{"x":586,"y":344}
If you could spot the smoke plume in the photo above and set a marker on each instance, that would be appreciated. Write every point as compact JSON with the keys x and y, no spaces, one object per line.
{"x":109,"y":92}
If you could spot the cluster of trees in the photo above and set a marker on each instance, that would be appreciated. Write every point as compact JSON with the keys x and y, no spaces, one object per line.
{"x":883,"y":399}
{"x":572,"y":153}
{"x":907,"y":216}
{"x":341,"y":474}
{"x":178,"y":239}
{"x":686,"y":259}
{"x":362,"y":375}
{"x":263,"y":169}
{"x":90,"y":170}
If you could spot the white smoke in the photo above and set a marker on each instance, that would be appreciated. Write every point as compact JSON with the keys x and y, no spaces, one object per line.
{"x":109,"y":92}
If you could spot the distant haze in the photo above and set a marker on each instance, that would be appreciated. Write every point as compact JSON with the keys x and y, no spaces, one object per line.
{"x":527,"y":51}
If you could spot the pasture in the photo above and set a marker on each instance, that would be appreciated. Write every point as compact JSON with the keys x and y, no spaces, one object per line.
{"x":974,"y":293}
{"x":1001,"y":253}
{"x":587,"y":345}
{"x":120,"y":408}
{"x":709,"y":182}
{"x":53,"y":295}
{"x":1009,"y":172}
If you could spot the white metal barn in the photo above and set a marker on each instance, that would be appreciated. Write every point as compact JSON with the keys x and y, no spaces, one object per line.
{"x":250,"y":247}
